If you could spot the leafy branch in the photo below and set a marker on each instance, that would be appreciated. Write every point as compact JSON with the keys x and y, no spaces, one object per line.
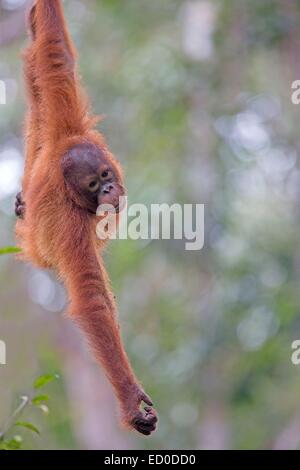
{"x":34,"y":399}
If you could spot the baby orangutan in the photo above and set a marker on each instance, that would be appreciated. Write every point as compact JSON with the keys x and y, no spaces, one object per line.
{"x":69,"y":172}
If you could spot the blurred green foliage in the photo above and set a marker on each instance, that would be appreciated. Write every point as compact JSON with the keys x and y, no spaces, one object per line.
{"x":196,"y":96}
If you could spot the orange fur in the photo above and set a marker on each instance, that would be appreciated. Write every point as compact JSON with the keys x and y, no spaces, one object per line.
{"x":56,"y":233}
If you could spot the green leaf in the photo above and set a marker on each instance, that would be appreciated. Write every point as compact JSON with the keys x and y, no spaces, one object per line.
{"x":27,"y":425}
{"x":39,"y":399}
{"x":4,"y":445}
{"x":14,"y":444}
{"x":9,"y":249}
{"x":44,"y":380}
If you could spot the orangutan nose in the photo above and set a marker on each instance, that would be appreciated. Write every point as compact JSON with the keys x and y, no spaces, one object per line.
{"x":107,"y":188}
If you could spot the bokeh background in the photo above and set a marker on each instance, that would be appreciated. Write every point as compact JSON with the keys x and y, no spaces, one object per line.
{"x":197,"y":98}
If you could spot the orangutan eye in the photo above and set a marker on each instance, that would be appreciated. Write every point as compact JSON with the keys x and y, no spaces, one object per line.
{"x":106,"y":174}
{"x":94,"y":185}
